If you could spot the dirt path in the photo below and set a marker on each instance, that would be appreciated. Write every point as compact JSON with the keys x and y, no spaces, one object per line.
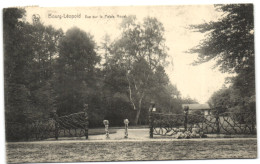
{"x":139,"y":134}
{"x":134,"y":135}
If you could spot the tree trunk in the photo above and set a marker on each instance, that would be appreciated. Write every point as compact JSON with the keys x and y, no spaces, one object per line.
{"x":137,"y":116}
{"x":138,"y":112}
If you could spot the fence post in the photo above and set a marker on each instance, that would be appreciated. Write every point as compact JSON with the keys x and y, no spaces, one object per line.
{"x":126,"y":122}
{"x":56,"y":117}
{"x":152,"y":105}
{"x":106,"y":123}
{"x":151,"y":124}
{"x":186,"y":111}
{"x":217,"y":121}
{"x":86,"y":120}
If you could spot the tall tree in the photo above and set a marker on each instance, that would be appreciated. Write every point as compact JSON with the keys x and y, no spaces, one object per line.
{"x":75,"y":71}
{"x":230,"y":41}
{"x":139,"y":51}
{"x":17,"y":59}
{"x":45,"y":52}
{"x":30,"y":51}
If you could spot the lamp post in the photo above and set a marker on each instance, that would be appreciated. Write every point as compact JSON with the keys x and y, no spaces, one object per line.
{"x":126,"y":122}
{"x":217,"y":119}
{"x":151,"y":110}
{"x":86,"y":119}
{"x":186,"y":111}
{"x":106,"y":123}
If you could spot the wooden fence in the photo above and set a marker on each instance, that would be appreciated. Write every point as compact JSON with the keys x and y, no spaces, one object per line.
{"x":224,"y":123}
{"x":73,"y":125}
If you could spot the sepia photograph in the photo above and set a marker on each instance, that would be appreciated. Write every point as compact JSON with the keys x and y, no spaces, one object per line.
{"x":129,"y":83}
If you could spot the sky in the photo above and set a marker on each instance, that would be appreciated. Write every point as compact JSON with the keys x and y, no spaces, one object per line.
{"x":197,"y":82}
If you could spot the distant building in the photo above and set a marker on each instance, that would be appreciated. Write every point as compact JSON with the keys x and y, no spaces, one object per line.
{"x":194,"y":108}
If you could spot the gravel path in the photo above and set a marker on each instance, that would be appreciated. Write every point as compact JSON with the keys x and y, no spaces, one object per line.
{"x":134,"y":135}
{"x":139,"y":134}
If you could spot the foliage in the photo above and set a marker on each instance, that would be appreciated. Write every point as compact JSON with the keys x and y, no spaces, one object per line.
{"x":230,"y":42}
{"x":188,"y":134}
{"x":47,"y":70}
{"x":15,"y":64}
{"x":29,"y":52}
{"x":221,"y":99}
{"x":75,"y":71}
{"x":139,"y":52}
{"x":230,"y":100}
{"x":45,"y":41}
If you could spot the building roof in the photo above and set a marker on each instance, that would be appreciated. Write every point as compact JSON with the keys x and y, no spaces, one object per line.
{"x":196,"y":106}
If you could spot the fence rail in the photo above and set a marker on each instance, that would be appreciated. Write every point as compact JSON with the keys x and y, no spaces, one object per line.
{"x":224,"y":123}
{"x":73,"y":125}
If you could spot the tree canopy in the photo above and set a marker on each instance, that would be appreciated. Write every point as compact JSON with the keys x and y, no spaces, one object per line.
{"x":75,"y":70}
{"x":48,"y":70}
{"x":230,"y":42}
{"x":139,"y":52}
{"x":29,"y":51}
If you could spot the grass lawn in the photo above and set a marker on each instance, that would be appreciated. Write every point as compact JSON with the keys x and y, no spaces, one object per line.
{"x":76,"y":151}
